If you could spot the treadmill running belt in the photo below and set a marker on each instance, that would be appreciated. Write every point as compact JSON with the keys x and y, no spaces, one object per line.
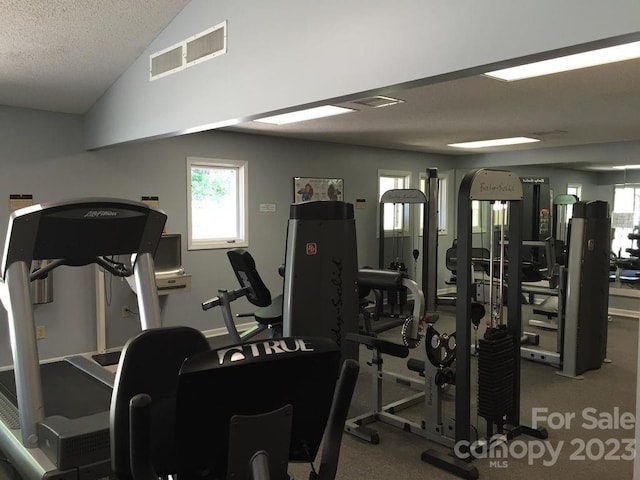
{"x":67,"y":391}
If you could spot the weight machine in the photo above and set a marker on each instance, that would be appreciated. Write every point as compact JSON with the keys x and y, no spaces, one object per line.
{"x":555,"y":254}
{"x":429,"y":201}
{"x":321,"y":267}
{"x":583,"y":295}
{"x":499,"y":350}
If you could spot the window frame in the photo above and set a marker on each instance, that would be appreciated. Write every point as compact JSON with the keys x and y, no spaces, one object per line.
{"x":406,"y":177}
{"x":573,"y":189}
{"x":241,"y":239}
{"x":443,"y":214}
{"x":619,"y":240}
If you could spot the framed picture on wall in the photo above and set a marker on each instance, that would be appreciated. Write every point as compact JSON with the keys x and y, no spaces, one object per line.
{"x":308,"y":189}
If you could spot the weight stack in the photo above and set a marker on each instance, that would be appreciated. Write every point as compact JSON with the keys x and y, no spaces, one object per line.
{"x":496,"y":366}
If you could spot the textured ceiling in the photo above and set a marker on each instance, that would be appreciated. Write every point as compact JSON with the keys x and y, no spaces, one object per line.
{"x":62,"y":55}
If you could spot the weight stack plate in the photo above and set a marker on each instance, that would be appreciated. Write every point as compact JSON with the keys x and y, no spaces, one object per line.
{"x":495,"y":376}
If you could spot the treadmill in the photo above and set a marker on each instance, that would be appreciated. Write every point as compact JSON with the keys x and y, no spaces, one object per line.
{"x":54,"y":417}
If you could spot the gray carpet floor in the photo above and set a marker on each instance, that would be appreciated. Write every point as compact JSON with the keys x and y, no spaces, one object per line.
{"x":580,"y":450}
{"x":576,"y":449}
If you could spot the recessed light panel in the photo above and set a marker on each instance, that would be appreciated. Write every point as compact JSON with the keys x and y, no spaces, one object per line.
{"x":627,"y":167}
{"x":302,"y":115}
{"x":602,"y":56}
{"x":497,"y":142}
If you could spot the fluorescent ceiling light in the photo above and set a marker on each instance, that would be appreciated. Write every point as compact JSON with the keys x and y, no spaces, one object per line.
{"x":302,"y":115}
{"x":601,"y":56}
{"x":497,"y":142}
{"x":627,"y":167}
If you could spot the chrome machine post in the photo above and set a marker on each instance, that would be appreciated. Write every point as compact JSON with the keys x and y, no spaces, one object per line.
{"x":24,"y":348}
{"x":148,"y":303}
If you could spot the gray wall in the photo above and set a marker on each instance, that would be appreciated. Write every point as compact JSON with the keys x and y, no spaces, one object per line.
{"x":286,"y":53}
{"x":42,"y":154}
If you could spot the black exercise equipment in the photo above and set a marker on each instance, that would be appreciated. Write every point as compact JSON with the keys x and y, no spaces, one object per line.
{"x":536,"y":211}
{"x":269,"y":314}
{"x":429,"y":201}
{"x":321,"y":270}
{"x":587,"y":299}
{"x":246,"y":410}
{"x":480,"y":257}
{"x":45,"y":433}
{"x":583,"y":295}
{"x":498,"y":353}
{"x":555,"y":255}
{"x":377,"y":281}
{"x":627,"y":269}
{"x":440,"y":347}
{"x":437,"y":373}
{"x":149,"y":364}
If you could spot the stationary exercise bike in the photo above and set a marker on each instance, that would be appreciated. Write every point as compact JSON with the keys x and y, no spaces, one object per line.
{"x":269,"y":314}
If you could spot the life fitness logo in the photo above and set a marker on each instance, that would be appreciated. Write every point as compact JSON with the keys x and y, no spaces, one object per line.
{"x":312,"y":248}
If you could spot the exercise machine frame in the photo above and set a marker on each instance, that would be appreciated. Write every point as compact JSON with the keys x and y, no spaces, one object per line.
{"x":429,"y":229}
{"x":484,"y":185}
{"x":75,"y":233}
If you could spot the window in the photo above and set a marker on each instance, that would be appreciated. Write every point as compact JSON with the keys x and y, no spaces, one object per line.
{"x":476,"y":217}
{"x":625,"y":218}
{"x":216,"y":203}
{"x":480,"y":214}
{"x":394,"y":215}
{"x":442,"y":203}
{"x":573,"y":189}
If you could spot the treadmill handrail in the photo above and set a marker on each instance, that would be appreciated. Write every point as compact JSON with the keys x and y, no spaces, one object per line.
{"x":115,"y":268}
{"x":78,"y":232}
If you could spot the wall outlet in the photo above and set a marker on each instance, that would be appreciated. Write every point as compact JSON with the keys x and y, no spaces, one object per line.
{"x":125,"y":311}
{"x":41,"y":332}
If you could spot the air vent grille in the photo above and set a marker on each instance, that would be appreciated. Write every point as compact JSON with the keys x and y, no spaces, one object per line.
{"x":550,"y":132}
{"x":164,"y":63}
{"x":191,"y":51}
{"x":207,"y":45}
{"x":378,"y":101}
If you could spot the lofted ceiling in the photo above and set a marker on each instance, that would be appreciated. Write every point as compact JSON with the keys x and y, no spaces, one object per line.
{"x":594,"y":105}
{"x":62,"y":55}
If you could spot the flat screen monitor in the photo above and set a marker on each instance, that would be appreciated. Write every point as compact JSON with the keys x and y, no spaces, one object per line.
{"x":250,"y":379}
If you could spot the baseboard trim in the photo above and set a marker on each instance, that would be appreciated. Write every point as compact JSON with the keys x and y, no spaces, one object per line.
{"x":619,"y":312}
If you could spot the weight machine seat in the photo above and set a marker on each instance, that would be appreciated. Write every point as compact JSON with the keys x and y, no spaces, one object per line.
{"x":479,"y":257}
{"x":380,"y":279}
{"x":149,"y":364}
{"x":271,"y":314}
{"x":244,"y":267}
{"x":635,"y":252}
{"x":548,"y":308}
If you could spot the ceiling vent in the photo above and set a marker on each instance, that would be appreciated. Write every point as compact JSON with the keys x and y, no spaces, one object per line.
{"x":550,"y":132}
{"x":206,"y":45}
{"x":191,"y":51}
{"x":166,"y":62}
{"x":378,"y":101}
